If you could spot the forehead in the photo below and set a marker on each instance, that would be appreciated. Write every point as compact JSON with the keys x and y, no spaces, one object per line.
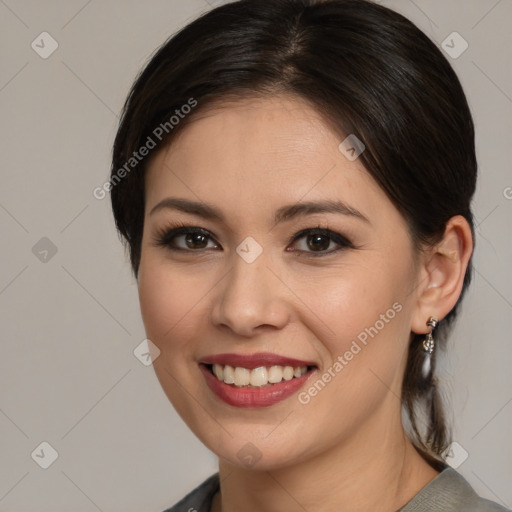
{"x":260,"y":151}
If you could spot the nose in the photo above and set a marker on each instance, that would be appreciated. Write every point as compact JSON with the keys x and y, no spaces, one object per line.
{"x":250,"y":299}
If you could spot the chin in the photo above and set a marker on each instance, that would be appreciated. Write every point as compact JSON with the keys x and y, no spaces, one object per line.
{"x":258,"y":455}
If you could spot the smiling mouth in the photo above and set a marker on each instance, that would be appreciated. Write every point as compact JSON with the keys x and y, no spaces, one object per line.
{"x":260,"y":377}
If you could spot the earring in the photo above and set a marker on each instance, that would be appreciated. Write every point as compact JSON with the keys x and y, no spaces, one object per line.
{"x":428,"y":347}
{"x":428,"y":342}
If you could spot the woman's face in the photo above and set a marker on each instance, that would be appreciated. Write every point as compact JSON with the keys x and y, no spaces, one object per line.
{"x":291,"y":255}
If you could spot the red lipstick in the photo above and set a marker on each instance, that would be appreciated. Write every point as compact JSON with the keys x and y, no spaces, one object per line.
{"x":246,"y":396}
{"x":254,"y":360}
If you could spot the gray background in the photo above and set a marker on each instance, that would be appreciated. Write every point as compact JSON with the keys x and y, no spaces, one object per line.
{"x":70,"y":320}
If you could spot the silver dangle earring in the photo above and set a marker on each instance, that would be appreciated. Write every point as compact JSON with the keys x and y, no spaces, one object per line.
{"x":428,"y":342}
{"x":429,"y":345}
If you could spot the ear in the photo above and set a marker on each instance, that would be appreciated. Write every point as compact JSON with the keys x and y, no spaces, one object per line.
{"x":441,"y":274}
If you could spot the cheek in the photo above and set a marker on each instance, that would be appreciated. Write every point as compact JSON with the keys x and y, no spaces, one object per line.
{"x":168,"y":301}
{"x":360,"y":319}
{"x":169,"y":306}
{"x":347,"y":301}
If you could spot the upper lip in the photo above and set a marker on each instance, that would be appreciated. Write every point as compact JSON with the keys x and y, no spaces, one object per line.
{"x":251,"y":361}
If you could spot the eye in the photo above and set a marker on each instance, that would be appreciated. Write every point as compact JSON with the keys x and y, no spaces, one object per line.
{"x":314,"y":241}
{"x":319,"y":242}
{"x":186,"y":238}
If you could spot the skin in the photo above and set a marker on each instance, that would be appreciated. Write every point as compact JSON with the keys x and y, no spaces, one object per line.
{"x":248,"y":159}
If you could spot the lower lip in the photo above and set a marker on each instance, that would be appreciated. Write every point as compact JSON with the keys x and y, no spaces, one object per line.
{"x":253,"y":397}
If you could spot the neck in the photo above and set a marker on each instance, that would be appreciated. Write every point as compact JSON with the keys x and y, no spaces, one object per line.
{"x":382,"y":475}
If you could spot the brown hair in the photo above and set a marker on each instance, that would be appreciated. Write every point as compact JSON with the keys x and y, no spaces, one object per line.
{"x":370,"y":72}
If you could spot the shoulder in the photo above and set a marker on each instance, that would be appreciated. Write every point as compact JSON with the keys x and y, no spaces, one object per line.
{"x":450,"y":492}
{"x":198,"y":500}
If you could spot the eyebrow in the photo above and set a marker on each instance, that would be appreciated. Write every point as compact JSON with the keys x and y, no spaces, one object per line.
{"x":283,"y":214}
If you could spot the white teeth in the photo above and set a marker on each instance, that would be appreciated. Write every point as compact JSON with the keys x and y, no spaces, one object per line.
{"x":218,"y":371}
{"x":275,"y":374}
{"x":229,"y":375}
{"x":256,"y":377}
{"x":288,"y":373}
{"x":259,"y":376}
{"x":242,"y":376}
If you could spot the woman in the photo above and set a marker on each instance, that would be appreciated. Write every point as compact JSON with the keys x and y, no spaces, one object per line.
{"x":293,"y":179}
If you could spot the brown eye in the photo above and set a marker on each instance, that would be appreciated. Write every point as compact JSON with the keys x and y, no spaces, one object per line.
{"x":196,"y":241}
{"x":318,"y":242}
{"x":186,"y":238}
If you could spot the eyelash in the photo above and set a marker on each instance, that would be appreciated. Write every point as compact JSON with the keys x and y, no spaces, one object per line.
{"x":165,"y":237}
